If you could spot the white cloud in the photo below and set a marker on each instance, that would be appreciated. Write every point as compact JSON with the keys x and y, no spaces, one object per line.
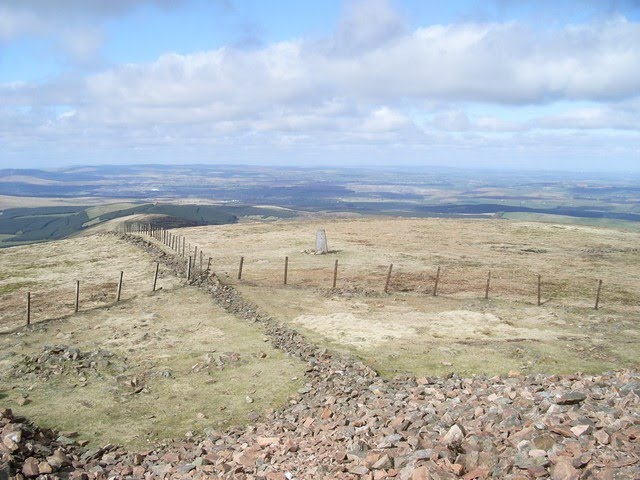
{"x":371,"y":82}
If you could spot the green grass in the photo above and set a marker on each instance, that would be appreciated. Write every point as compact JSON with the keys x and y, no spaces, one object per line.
{"x":173,"y":331}
{"x":12,"y":287}
{"x":99,"y":210}
{"x":566,"y":220}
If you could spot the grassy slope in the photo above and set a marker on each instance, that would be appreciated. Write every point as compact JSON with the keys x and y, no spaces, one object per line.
{"x":178,"y":329}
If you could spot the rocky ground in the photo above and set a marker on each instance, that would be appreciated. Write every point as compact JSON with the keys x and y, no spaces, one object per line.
{"x":346,"y":422}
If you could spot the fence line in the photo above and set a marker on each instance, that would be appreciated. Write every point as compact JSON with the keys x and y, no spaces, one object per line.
{"x":178,"y":244}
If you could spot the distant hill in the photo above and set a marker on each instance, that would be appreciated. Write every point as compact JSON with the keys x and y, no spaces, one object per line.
{"x":31,"y":225}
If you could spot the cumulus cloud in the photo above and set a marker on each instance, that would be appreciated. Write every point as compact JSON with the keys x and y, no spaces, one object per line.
{"x":374,"y":79}
{"x":74,"y":27}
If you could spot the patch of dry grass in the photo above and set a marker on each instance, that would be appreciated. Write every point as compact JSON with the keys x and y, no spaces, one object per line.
{"x":411,"y":331}
{"x":214,"y":361}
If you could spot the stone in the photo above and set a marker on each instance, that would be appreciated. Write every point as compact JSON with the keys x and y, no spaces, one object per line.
{"x":570,"y":398}
{"x":453,"y":437}
{"x":420,"y":473}
{"x":580,"y":430}
{"x":564,"y":470}
{"x":321,"y":242}
{"x":58,"y":459}
{"x":545,"y":441}
{"x":383,"y":463}
{"x":30,"y":467}
{"x":602,"y":437}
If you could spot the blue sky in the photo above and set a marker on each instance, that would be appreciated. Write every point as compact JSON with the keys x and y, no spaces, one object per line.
{"x":502,"y":84}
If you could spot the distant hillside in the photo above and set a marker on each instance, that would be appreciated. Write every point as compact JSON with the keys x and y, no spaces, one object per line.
{"x":31,"y":225}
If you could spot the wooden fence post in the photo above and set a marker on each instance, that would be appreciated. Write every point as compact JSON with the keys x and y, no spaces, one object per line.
{"x":539,"y":289}
{"x":119,"y":287}
{"x":209,"y":265}
{"x":28,"y":308}
{"x":286,"y":269}
{"x":386,"y":284}
{"x":598,"y":294}
{"x":155,"y":277}
{"x":486,"y":291}
{"x":335,"y":273}
{"x":435,"y":288}
{"x":77,"y":305}
{"x":183,"y":242}
{"x":240,"y":268}
{"x":200,"y":260}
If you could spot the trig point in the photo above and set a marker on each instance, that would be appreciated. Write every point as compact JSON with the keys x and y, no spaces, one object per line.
{"x":321,"y":242}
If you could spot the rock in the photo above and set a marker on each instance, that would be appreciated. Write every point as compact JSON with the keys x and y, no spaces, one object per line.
{"x":564,"y":470}
{"x":580,"y":430}
{"x":602,"y":437}
{"x":266,"y":441}
{"x":30,"y":467}
{"x":544,"y":442}
{"x":453,"y":437}
{"x":383,"y":463}
{"x":58,"y":460}
{"x":358,"y":469}
{"x":570,"y":398}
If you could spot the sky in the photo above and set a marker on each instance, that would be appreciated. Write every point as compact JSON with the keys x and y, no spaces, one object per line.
{"x":544,"y":84}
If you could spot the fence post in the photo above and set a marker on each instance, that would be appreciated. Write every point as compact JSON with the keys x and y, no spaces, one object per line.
{"x":119,"y":287}
{"x":200,"y":260}
{"x":240,"y":268}
{"x":598,"y":294}
{"x":539,"y":289}
{"x":155,"y":276}
{"x":189,"y":269}
{"x":386,"y":284}
{"x":335,"y":273}
{"x":286,"y":269}
{"x":486,"y":291}
{"x":209,"y":265}
{"x":435,"y":288}
{"x":77,"y":306}
{"x":28,"y":308}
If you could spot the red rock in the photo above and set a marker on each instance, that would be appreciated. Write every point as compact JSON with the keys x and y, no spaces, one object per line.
{"x":266,"y":441}
{"x":580,"y":430}
{"x":290,"y":446}
{"x":563,"y":470}
{"x":138,"y":471}
{"x":602,"y":437}
{"x":30,"y":467}
{"x":383,"y":463}
{"x":478,"y":473}
{"x":358,"y":469}
{"x":420,"y":473}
